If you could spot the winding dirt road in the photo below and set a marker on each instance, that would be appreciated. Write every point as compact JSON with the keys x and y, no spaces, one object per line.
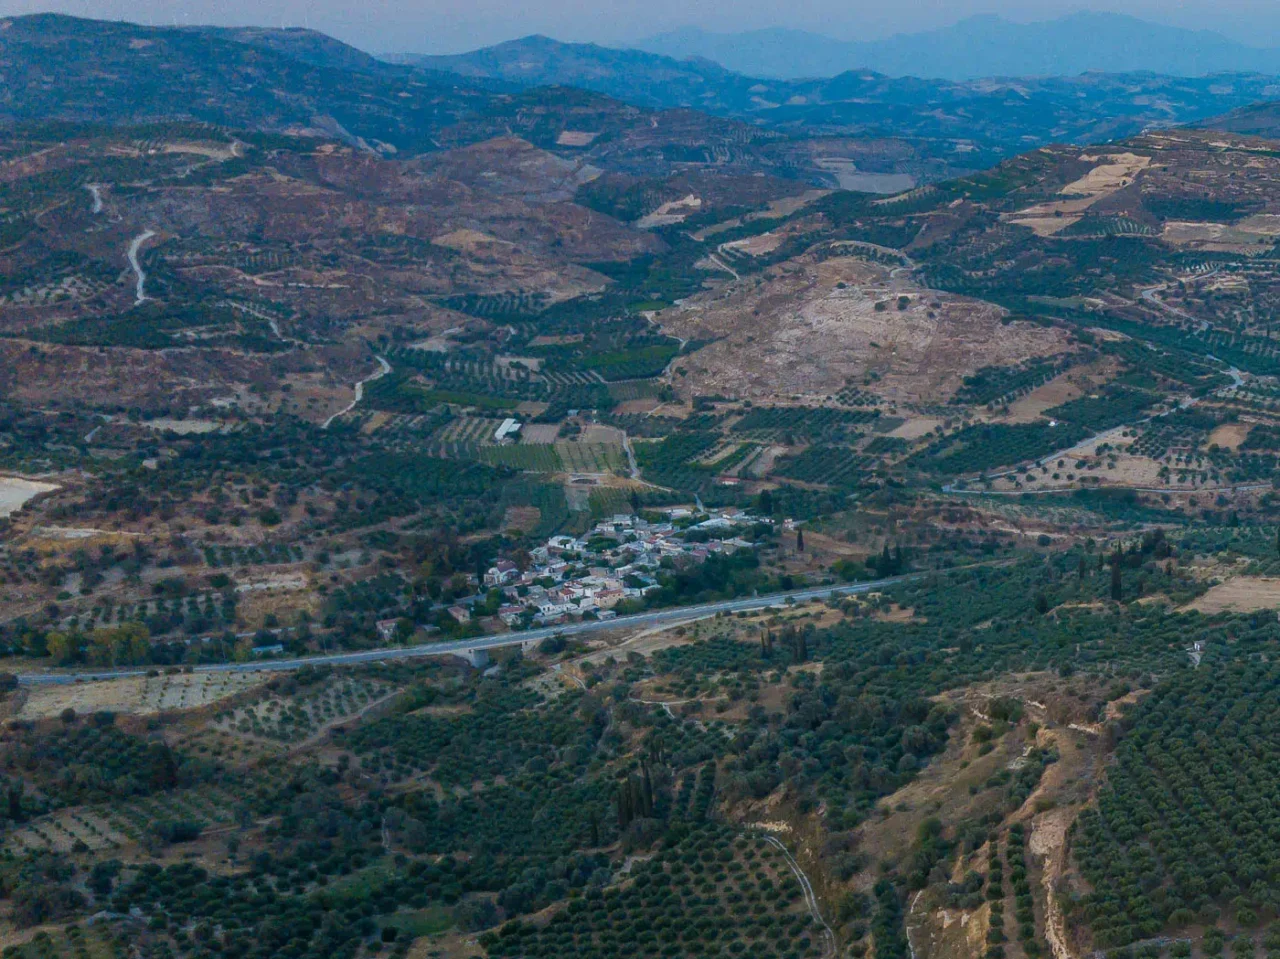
{"x":134,"y":247}
{"x":810,"y":899}
{"x":383,"y":369}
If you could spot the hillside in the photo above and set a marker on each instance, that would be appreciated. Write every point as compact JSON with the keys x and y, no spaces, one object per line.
{"x":586,"y":531}
{"x":1258,"y":119}
{"x":91,"y":71}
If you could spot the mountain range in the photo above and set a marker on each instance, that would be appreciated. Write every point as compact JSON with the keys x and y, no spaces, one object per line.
{"x":1004,"y":115}
{"x":980,"y":46}
{"x":298,"y":81}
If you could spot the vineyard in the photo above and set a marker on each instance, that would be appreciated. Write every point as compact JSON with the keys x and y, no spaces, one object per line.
{"x":826,"y":465}
{"x":981,"y":448}
{"x":295,"y":718}
{"x":1095,"y":226}
{"x":1184,"y":828}
{"x":499,"y":306}
{"x":1113,"y":407}
{"x":526,"y":457}
{"x":822,"y":423}
{"x":469,"y":429}
{"x":606,"y":502}
{"x":635,"y":390}
{"x":591,"y":457}
{"x":996,"y":385}
{"x":711,"y":891}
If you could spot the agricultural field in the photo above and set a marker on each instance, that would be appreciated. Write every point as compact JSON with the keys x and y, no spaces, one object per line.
{"x":251,"y":373}
{"x":591,"y":457}
{"x":300,"y":717}
{"x":539,"y":458}
{"x":140,"y":695}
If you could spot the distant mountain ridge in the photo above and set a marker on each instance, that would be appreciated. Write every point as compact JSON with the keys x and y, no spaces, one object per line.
{"x":980,"y":46}
{"x":1004,"y":114}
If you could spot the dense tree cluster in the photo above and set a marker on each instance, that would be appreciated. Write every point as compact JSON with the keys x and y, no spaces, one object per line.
{"x":707,"y":892}
{"x":1183,"y":831}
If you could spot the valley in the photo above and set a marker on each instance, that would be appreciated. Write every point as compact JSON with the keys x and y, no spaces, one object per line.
{"x":443,"y":515}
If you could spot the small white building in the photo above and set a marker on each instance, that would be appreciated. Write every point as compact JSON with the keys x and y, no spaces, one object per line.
{"x":507,"y":432}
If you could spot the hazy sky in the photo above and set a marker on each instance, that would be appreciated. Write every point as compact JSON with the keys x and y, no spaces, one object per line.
{"x":448,"y":26}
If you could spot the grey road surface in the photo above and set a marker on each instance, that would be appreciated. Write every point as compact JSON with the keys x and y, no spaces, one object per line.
{"x":463,"y":646}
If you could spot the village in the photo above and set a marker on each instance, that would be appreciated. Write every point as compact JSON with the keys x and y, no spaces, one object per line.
{"x":615,"y":563}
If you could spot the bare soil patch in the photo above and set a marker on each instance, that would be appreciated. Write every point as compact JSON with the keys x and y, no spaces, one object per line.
{"x":138,"y":694}
{"x":1241,"y":594}
{"x":576,"y":138}
{"x":1116,"y":173}
{"x":16,"y":492}
{"x":1054,"y":393}
{"x":523,"y":518}
{"x":646,"y":405}
{"x":544,"y":433}
{"x":1230,"y":435}
{"x":811,"y":328}
{"x":916,"y":427}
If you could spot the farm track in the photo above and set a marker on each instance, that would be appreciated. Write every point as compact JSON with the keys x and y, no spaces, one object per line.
{"x":136,"y":245}
{"x":712,"y":258}
{"x":810,"y":899}
{"x":270,"y":320}
{"x":325,"y":728}
{"x":383,"y":369}
{"x":631,"y":457}
{"x":1238,"y":379}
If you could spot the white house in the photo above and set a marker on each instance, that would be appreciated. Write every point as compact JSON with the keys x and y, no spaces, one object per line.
{"x":507,"y":432}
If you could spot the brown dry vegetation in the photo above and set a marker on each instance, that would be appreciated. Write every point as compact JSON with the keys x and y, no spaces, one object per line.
{"x":811,"y":327}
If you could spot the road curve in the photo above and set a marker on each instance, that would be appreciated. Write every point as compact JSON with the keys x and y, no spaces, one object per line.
{"x":134,"y":247}
{"x":383,"y":369}
{"x":464,"y":646}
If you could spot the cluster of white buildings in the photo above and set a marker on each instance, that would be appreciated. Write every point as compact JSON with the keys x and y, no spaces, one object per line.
{"x":572,"y":577}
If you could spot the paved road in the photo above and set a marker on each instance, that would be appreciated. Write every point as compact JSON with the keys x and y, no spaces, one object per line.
{"x":1246,"y":488}
{"x":1149,"y":295}
{"x":463,"y":646}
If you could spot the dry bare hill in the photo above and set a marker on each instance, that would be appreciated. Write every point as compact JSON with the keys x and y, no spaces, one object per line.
{"x":821,"y":321}
{"x":251,"y":246}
